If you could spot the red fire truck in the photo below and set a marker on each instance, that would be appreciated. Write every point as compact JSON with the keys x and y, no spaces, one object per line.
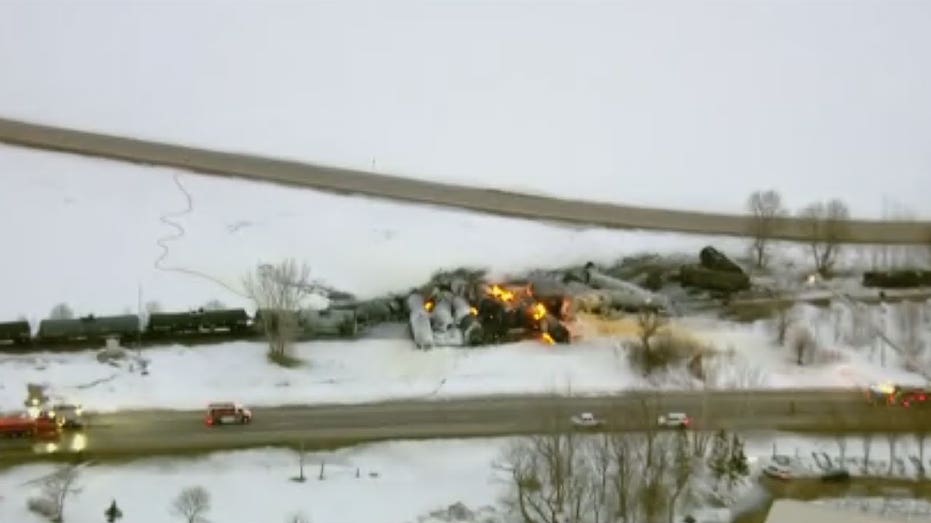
{"x":904,"y":395}
{"x":25,"y":426}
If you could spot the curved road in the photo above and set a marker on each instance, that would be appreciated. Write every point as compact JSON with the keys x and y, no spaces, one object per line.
{"x":137,"y":433}
{"x":491,"y":201}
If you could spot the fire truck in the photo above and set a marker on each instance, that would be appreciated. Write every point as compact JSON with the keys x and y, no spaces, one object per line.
{"x":904,"y":395}
{"x":25,"y":426}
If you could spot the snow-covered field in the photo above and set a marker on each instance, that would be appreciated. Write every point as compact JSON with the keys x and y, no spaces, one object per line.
{"x":638,"y":102}
{"x":371,"y":370}
{"x":86,"y":234}
{"x":90,"y":229}
{"x":398,"y":483}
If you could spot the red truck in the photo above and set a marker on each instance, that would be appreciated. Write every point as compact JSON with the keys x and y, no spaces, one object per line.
{"x":24,"y":426}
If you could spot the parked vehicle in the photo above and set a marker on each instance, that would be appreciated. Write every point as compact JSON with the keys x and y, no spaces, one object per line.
{"x":674,"y":420}
{"x":227,"y":413}
{"x":586,"y":420}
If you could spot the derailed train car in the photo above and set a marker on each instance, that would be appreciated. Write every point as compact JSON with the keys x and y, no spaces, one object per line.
{"x":310,"y":324}
{"x":446,"y":317}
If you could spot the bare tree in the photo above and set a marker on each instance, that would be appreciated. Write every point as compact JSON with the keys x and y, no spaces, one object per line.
{"x":649,"y":323}
{"x":910,"y":322}
{"x":601,"y":460}
{"x":301,"y":456}
{"x":191,"y":504}
{"x":214,"y":305}
{"x":784,"y":316}
{"x":867,"y":447}
{"x":55,"y":490}
{"x":921,"y":436}
{"x":897,"y":256}
{"x":682,"y":471}
{"x":278,"y":292}
{"x":61,"y":312}
{"x":893,"y":439}
{"x":841,"y":440}
{"x":765,"y":207}
{"x":802,"y":344}
{"x":541,"y":470}
{"x":298,"y":517}
{"x":825,"y":223}
{"x":153,"y":306}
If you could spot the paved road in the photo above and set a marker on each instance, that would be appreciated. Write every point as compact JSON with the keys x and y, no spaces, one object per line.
{"x":476,"y":199}
{"x":126,"y":434}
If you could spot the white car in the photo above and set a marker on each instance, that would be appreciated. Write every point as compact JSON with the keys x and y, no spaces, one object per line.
{"x":586,"y":420}
{"x":775,"y":470}
{"x":674,"y":420}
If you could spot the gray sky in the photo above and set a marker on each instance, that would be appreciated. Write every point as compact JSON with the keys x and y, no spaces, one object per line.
{"x":676,"y":104}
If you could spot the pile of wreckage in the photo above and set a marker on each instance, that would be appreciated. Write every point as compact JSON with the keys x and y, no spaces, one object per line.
{"x":457,"y":312}
{"x":714,"y":272}
{"x":462,"y":309}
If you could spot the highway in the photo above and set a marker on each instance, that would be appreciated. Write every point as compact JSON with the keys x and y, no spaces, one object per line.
{"x":505,"y":203}
{"x":142,"y":433}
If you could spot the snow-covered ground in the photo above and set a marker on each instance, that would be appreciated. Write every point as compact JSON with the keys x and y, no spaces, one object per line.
{"x":638,"y":102}
{"x":398,"y":482}
{"x":740,"y":356}
{"x":86,"y":234}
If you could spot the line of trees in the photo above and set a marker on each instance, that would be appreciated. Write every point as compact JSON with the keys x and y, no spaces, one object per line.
{"x":560,"y":477}
{"x":825,"y":221}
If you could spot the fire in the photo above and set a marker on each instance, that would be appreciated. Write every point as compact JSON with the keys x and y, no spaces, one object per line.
{"x":473,"y":311}
{"x":428,"y":306}
{"x":538,"y":311}
{"x":548,"y":339}
{"x":501,"y":293}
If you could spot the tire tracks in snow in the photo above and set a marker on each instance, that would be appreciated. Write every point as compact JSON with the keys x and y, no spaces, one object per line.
{"x":167,"y":219}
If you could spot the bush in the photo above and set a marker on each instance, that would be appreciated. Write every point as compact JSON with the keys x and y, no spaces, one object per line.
{"x":43,"y":506}
{"x":664,"y":350}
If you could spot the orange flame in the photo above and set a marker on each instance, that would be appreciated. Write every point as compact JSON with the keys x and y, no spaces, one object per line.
{"x":428,"y":306}
{"x":548,"y":339}
{"x":473,"y":311}
{"x":538,"y":311}
{"x":502,"y":294}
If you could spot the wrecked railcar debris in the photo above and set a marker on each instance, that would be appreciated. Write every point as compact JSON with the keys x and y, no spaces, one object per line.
{"x":714,"y":272}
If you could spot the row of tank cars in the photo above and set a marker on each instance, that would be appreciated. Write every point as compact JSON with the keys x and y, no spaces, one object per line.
{"x":167,"y":327}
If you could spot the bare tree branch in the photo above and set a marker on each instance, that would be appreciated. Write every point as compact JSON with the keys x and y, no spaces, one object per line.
{"x":61,"y":312}
{"x":191,"y":504}
{"x":826,"y":223}
{"x":278,"y":292}
{"x":765,"y":207}
{"x":55,"y":490}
